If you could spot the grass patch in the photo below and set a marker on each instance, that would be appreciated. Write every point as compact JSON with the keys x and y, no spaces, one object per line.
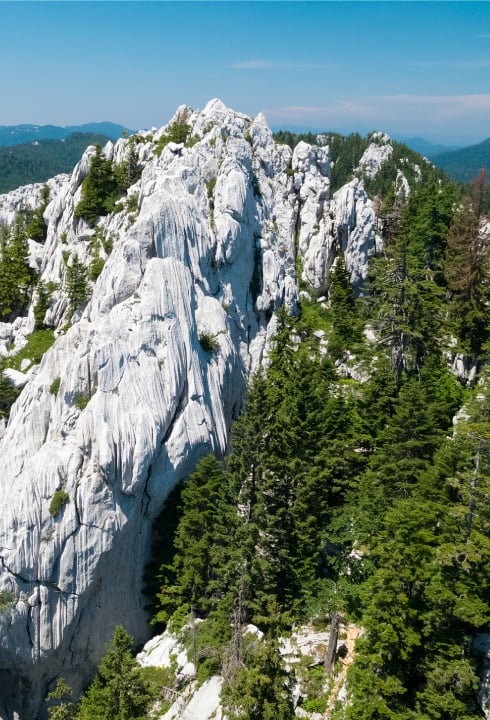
{"x":37,"y":343}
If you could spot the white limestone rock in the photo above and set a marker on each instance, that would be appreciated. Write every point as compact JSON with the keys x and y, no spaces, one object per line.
{"x":139,"y":400}
{"x":376,"y":154}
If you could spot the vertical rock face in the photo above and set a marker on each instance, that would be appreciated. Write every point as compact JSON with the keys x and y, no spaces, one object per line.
{"x":128,"y":398}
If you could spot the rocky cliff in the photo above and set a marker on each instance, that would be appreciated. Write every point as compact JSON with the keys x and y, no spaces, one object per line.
{"x":147,"y":376}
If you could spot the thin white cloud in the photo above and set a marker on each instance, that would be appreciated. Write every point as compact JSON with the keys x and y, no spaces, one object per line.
{"x":444,"y":112}
{"x":277,"y":65}
{"x":457,"y":64}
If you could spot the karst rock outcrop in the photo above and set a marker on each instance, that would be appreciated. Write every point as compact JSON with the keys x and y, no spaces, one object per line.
{"x":146,"y":376}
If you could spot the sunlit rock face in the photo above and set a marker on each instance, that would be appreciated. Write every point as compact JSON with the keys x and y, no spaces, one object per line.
{"x":130,"y":395}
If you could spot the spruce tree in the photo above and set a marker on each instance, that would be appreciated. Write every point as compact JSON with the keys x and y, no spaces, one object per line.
{"x":466,"y":272}
{"x":65,"y":708}
{"x":118,"y":691}
{"x":76,"y":283}
{"x":16,"y":277}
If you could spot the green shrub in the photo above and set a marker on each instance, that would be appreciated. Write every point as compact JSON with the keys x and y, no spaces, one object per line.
{"x":107,"y":244}
{"x":192,"y":141}
{"x":178,"y":132}
{"x":316,"y":705}
{"x":132,"y":202}
{"x":156,"y":678}
{"x":8,"y":394}
{"x":55,"y":386}
{"x":81,"y":401}
{"x":58,"y":502}
{"x":208,"y":342}
{"x":7,"y":599}
{"x":210,"y":185}
{"x":96,"y":267}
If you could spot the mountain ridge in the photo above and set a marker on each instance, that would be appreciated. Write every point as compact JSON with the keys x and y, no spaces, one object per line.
{"x":203,"y":247}
{"x":11,"y":135}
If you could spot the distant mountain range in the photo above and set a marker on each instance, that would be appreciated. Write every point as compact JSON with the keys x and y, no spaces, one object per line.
{"x":17,"y":134}
{"x":464,"y":164}
{"x":427,"y":148}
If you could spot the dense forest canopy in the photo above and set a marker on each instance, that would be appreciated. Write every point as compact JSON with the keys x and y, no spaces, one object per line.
{"x":38,"y":161}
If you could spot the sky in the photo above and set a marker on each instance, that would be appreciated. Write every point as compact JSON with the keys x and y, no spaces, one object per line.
{"x":407,"y":68}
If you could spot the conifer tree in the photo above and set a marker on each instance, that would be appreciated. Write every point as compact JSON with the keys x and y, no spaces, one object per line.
{"x":76,"y":283}
{"x":346,"y":326}
{"x":99,"y":189}
{"x":259,"y":689}
{"x":466,"y":271}
{"x":118,"y":691}
{"x":199,"y":573}
{"x":16,"y":277}
{"x":65,"y":708}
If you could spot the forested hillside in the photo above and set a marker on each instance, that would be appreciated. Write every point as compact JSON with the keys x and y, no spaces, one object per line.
{"x":42,"y":159}
{"x":349,"y":489}
{"x":463,"y":164}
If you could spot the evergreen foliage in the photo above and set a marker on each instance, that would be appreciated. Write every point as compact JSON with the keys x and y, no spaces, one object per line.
{"x":41,"y":306}
{"x":65,"y":708}
{"x":118,"y":692}
{"x":355,"y":497}
{"x":467,"y":271}
{"x":16,"y":277}
{"x":105,"y":183}
{"x":58,"y":502}
{"x":37,"y":162}
{"x":337,"y":494}
{"x":101,"y":188}
{"x":346,"y":325}
{"x":177,"y":132}
{"x":8,"y":393}
{"x":36,"y":228}
{"x":76,"y":283}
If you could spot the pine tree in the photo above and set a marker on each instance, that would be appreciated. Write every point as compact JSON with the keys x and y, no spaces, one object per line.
{"x":258,"y":691}
{"x":200,"y":572}
{"x":65,"y":708}
{"x":466,"y":271}
{"x":16,"y":277}
{"x":36,"y":227}
{"x":118,"y":692}
{"x":76,"y":283}
{"x":100,"y":189}
{"x":346,"y":326}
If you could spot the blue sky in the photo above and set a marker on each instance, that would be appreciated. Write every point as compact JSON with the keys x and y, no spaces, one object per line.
{"x":410,"y":68}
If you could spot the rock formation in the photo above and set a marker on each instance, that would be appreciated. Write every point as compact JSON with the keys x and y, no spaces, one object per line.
{"x":148,"y":375}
